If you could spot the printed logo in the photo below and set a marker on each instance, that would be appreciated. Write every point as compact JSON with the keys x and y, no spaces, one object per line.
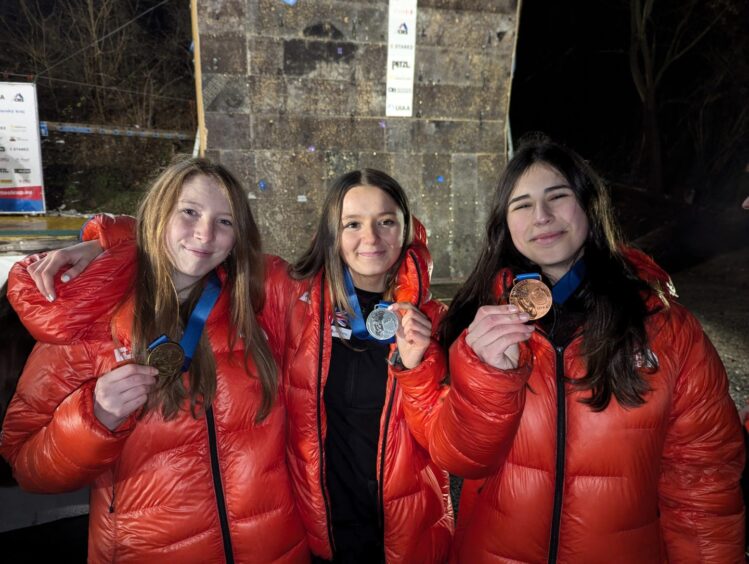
{"x":403,"y":29}
{"x":122,"y":354}
{"x":18,"y":98}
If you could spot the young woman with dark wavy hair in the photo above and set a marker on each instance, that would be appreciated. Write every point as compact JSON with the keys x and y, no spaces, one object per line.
{"x":602,"y":430}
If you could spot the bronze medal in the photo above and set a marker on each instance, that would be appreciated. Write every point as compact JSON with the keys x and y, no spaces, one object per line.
{"x":168,"y":358}
{"x":532,"y":296}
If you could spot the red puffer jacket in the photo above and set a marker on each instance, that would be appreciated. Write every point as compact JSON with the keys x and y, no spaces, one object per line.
{"x":186,"y":490}
{"x":413,"y":492}
{"x":656,"y":483}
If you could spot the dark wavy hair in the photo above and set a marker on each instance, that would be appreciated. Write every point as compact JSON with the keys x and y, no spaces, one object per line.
{"x":613,"y":296}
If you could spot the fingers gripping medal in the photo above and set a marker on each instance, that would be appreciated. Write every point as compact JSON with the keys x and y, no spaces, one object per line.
{"x":531,"y":295}
{"x":382,"y":323}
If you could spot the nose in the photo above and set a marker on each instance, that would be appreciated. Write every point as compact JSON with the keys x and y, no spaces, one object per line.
{"x":204,"y":229}
{"x":542,"y":214}
{"x":369,"y":233}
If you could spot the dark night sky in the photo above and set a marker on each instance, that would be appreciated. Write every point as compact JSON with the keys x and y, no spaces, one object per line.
{"x":573,"y":81}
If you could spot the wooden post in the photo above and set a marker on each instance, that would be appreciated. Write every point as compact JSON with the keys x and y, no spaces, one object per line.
{"x":202,"y":132}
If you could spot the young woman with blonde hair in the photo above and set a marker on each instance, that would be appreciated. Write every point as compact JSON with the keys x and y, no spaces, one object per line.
{"x":183,"y":444}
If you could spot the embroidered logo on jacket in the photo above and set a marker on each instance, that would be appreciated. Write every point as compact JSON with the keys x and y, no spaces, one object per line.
{"x":122,"y":354}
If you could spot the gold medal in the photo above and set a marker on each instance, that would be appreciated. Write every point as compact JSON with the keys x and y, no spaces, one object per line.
{"x":168,"y":358}
{"x":532,"y":296}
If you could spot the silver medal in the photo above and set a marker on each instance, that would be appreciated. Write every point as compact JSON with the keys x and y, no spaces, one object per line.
{"x":382,"y":324}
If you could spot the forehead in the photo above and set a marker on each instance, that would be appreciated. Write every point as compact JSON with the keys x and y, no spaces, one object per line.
{"x":206,"y":192}
{"x":538,"y":177}
{"x":369,"y":200}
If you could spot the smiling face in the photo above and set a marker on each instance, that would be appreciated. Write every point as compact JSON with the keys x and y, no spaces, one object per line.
{"x":199,"y":233}
{"x":546,"y":222}
{"x":371,"y":236}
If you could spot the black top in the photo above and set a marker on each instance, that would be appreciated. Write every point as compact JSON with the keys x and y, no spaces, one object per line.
{"x":564,"y":321}
{"x":354,"y":399}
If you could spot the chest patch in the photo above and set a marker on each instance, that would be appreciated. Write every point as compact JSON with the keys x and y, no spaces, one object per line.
{"x":121,"y":354}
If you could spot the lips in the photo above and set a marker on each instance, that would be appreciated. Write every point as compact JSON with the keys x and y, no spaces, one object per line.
{"x":198,"y":253}
{"x":547,"y":238}
{"x":371,"y":254}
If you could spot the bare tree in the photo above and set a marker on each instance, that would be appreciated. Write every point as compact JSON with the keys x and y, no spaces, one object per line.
{"x":679,"y":31}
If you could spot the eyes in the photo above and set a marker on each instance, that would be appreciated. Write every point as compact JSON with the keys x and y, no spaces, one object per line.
{"x":558,"y":196}
{"x":193,"y":214}
{"x":353,"y":225}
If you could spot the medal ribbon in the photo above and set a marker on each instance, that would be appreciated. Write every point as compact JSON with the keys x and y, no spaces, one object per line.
{"x":195,"y":324}
{"x":569,"y":283}
{"x":358,"y":327}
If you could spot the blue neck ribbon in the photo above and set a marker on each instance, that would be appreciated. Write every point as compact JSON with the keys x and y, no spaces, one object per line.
{"x":569,"y":283}
{"x":197,"y":320}
{"x":358,"y":326}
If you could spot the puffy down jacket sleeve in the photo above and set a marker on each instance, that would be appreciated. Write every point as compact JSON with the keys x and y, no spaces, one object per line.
{"x":423,"y":392}
{"x":423,"y":389}
{"x":476,"y":426}
{"x":50,"y":436}
{"x":110,"y":230}
{"x":702,"y":512}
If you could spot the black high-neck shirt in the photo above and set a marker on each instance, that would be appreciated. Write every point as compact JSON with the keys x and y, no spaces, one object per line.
{"x":354,"y":399}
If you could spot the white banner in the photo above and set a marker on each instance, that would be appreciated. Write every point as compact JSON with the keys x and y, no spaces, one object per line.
{"x":401,"y":58}
{"x":21,"y":184}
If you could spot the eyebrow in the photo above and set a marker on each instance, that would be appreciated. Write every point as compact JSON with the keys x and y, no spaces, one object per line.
{"x":546,"y":190}
{"x":199,"y":205}
{"x":358,"y":215}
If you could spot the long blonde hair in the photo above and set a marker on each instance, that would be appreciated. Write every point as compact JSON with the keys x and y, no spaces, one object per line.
{"x":157,"y":304}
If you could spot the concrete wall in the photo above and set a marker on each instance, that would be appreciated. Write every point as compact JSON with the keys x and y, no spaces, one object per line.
{"x":295,"y":95}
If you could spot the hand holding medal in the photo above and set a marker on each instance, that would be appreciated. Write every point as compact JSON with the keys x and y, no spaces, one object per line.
{"x":119,"y":393}
{"x":495,"y":333}
{"x":413,"y":335}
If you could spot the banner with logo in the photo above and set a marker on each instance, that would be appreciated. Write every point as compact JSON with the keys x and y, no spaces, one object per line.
{"x":21,"y":184}
{"x":401,"y":57}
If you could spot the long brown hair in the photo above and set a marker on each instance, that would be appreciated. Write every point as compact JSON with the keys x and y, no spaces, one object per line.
{"x":614,"y":328}
{"x":324,"y":251}
{"x":157,"y":304}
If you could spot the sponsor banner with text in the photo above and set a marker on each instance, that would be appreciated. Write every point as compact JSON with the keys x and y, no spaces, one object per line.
{"x":401,"y":58}
{"x":21,"y":183}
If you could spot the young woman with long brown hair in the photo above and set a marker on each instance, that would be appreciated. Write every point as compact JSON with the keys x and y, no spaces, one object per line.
{"x":183,"y":444}
{"x":602,"y":430}
{"x":366,"y":486}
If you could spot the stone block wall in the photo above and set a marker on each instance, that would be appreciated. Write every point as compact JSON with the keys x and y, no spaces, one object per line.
{"x":295,"y":95}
